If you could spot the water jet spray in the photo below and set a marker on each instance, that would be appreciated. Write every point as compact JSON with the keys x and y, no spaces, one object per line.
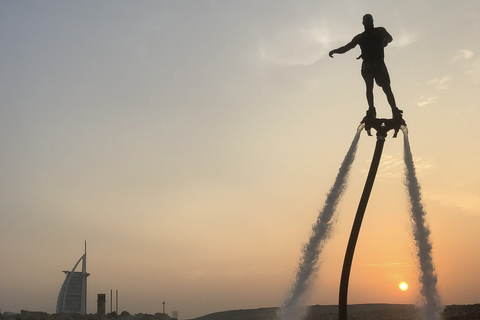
{"x":321,"y":230}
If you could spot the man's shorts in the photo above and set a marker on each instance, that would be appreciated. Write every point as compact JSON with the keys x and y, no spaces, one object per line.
{"x":377,"y":70}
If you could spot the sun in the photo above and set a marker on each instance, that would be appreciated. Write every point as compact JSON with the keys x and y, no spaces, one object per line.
{"x":403,"y":286}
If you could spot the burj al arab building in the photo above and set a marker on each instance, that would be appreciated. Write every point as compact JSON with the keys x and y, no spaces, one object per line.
{"x":73,"y":293}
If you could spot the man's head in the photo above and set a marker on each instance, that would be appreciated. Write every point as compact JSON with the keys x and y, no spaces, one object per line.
{"x":368,"y":21}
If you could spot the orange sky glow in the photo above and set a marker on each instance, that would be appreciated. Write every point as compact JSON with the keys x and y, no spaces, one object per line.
{"x":191,"y":144}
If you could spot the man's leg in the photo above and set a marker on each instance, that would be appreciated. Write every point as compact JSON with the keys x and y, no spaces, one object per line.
{"x":369,"y":92}
{"x":391,"y":99}
{"x":383,"y":80}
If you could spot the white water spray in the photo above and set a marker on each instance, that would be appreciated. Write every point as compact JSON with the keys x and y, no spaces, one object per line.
{"x":320,"y":234}
{"x":421,"y":232}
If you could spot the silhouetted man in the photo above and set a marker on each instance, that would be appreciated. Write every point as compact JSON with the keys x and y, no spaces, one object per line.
{"x":372,"y":42}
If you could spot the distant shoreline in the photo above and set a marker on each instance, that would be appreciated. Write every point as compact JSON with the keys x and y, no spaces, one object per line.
{"x":314,"y":312}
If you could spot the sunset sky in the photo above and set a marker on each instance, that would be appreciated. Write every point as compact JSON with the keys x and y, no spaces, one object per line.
{"x":192,"y":143}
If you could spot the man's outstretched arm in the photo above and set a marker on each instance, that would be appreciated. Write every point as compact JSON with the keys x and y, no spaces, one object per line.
{"x":352,"y":44}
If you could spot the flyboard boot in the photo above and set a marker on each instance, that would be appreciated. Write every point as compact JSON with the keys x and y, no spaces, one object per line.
{"x":396,"y":113}
{"x":369,"y":119}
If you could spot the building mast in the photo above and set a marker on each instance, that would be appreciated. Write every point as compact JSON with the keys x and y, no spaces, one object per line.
{"x":84,"y":282}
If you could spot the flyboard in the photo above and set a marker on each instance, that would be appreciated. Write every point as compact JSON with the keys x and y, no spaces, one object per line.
{"x":382,"y":126}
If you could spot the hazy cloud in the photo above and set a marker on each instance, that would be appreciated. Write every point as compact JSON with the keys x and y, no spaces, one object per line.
{"x":471,"y":66}
{"x":296,"y":45}
{"x":463,"y":54}
{"x":391,"y":265}
{"x":392,"y":166}
{"x":425,"y":101}
{"x":439,"y":83}
{"x":473,"y":71}
{"x":466,"y":201}
{"x":404,"y":39}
